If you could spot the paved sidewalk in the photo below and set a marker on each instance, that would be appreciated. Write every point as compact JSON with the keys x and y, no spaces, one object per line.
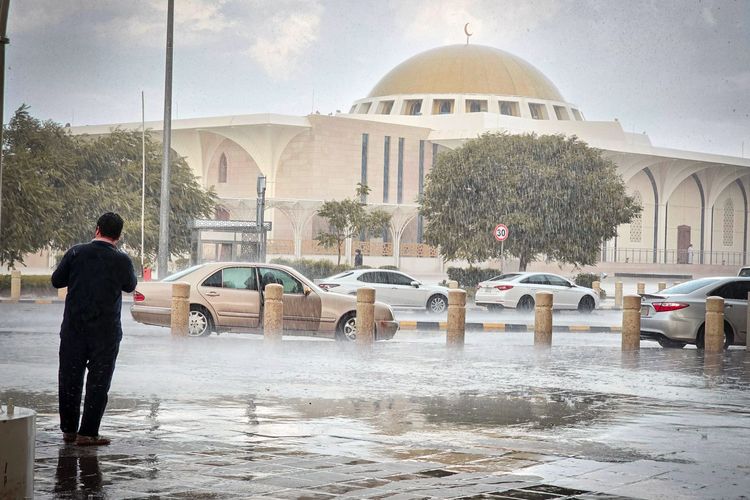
{"x":169,"y":450}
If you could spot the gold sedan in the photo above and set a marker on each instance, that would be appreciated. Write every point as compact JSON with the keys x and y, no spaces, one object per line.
{"x":228,"y":296}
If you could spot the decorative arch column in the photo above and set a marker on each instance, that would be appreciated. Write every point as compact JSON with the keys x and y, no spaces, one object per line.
{"x":401,"y":217}
{"x":299,"y":213}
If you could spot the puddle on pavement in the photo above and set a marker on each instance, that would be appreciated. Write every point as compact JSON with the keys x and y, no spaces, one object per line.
{"x":397,"y":415}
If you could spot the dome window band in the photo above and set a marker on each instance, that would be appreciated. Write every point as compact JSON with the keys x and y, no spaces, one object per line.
{"x":442,"y":107}
{"x":476,"y":106}
{"x":538,"y":111}
{"x":509,"y":108}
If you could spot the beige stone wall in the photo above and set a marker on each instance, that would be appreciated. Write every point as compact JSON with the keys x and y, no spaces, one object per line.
{"x":728,"y":250}
{"x":627,"y":233}
{"x":326,"y":162}
{"x":242,"y":172}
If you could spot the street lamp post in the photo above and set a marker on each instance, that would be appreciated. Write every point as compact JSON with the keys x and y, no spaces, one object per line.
{"x":4,"y":5}
{"x":260,"y":209}
{"x":163,"y":257}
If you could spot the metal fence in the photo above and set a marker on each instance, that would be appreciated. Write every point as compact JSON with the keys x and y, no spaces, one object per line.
{"x":662,"y":256}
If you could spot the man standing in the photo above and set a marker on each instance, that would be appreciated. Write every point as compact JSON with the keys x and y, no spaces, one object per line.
{"x":358,"y":258}
{"x":96,"y":274}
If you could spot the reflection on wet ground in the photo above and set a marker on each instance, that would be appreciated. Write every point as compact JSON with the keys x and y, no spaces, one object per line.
{"x":228,"y":417}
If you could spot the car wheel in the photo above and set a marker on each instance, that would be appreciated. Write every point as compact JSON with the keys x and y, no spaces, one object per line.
{"x":670,"y":344}
{"x":346,"y":331}
{"x":437,"y":304}
{"x":526,"y":304}
{"x":586,"y":305}
{"x":700,"y":337}
{"x":200,"y":322}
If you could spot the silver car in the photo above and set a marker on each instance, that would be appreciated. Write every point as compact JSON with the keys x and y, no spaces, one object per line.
{"x":676,"y":316}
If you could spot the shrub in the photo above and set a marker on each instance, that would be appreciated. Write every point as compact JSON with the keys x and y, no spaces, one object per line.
{"x":313,"y":269}
{"x":29,"y":282}
{"x":586,"y":279}
{"x":469,"y":278}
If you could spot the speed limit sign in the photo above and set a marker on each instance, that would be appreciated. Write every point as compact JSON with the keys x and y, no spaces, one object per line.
{"x":501,"y":232}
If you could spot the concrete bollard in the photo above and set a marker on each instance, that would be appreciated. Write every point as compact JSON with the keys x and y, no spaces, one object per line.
{"x":597,"y":287}
{"x":453,"y":284}
{"x":365,"y":316}
{"x":273,"y":313}
{"x":456,"y":318}
{"x":631,"y":323}
{"x":180,"y":309}
{"x":618,"y":295}
{"x":641,"y":288}
{"x":62,"y":293}
{"x":15,"y":285}
{"x":713,"y":337}
{"x":543,"y":319}
{"x":661,"y":286}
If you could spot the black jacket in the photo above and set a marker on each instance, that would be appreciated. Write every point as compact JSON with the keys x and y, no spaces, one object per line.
{"x":96,"y":274}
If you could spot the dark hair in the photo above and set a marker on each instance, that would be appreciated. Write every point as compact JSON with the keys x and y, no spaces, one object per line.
{"x":110,"y":225}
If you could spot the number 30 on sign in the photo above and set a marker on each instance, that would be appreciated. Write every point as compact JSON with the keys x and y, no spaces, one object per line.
{"x":501,"y":232}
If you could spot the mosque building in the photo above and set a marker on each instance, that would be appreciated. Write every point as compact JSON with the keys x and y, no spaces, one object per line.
{"x":695,"y":205}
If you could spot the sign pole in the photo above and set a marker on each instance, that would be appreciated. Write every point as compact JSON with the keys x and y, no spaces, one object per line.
{"x":502,"y":257}
{"x":501,"y":233}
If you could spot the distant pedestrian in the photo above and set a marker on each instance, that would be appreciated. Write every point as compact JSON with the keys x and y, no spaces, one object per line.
{"x":690,"y":254}
{"x":358,"y":258}
{"x":96,"y":274}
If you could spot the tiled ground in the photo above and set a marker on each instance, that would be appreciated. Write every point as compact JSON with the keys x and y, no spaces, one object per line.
{"x":151,"y":460}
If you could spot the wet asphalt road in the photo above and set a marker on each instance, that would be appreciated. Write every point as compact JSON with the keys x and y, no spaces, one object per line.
{"x":656,"y":424}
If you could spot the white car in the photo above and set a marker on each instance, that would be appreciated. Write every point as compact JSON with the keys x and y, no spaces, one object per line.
{"x":517,"y":290}
{"x":392,"y":287}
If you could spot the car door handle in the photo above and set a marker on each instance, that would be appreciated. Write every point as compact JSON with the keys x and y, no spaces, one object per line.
{"x":212,"y":294}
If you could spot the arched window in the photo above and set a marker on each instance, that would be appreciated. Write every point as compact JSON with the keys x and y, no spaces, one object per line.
{"x":636,"y":225}
{"x":223,"y":168}
{"x":728,"y":236}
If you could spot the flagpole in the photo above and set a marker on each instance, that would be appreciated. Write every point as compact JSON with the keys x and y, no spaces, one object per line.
{"x":143,"y":180}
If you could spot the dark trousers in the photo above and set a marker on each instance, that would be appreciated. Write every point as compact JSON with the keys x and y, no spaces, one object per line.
{"x":79,"y":352}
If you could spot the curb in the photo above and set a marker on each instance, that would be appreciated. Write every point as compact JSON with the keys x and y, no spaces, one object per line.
{"x":55,"y":300}
{"x":440,"y":326}
{"x":32,"y":301}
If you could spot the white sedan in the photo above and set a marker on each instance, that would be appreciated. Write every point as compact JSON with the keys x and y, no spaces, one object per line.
{"x":517,"y":290}
{"x":392,"y":287}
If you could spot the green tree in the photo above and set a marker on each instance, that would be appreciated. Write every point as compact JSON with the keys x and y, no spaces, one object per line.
{"x":349,"y":217}
{"x":558,"y":197}
{"x":38,"y":159}
{"x":111,"y":169}
{"x":56,"y":185}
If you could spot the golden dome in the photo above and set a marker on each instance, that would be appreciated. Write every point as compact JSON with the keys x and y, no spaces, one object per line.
{"x":466,"y":69}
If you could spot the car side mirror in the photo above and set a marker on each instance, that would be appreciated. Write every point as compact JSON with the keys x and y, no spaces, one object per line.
{"x":415,"y":284}
{"x":306,"y":290}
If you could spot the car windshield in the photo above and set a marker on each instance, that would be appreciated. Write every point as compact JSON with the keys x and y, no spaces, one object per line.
{"x":688,"y":287}
{"x":505,"y":277}
{"x":745,"y":272}
{"x":180,"y":274}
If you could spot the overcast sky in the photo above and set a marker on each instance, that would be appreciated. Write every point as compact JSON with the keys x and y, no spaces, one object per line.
{"x":677,"y":69}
